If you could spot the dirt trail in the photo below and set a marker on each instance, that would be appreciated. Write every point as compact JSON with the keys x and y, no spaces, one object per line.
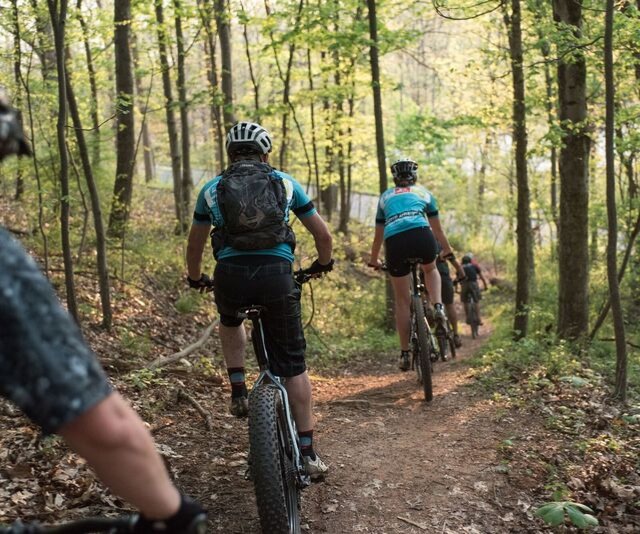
{"x":392,"y":456}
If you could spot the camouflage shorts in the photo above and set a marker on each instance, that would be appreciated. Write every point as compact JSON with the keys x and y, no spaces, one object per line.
{"x":46,"y":367}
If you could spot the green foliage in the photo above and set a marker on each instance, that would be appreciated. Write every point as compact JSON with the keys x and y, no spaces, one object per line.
{"x":145,"y":378}
{"x":555,"y":513}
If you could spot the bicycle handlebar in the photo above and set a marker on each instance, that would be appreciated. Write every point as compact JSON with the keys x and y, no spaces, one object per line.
{"x":121,"y":525}
{"x":302,"y":276}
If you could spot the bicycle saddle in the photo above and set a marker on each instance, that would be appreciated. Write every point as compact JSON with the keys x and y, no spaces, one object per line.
{"x":251,"y":312}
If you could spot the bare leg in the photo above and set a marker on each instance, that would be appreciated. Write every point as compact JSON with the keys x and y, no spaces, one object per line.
{"x":234,"y":341}
{"x":299,"y":391}
{"x":433,"y":282}
{"x":453,"y":317}
{"x":115,"y":442}
{"x":401,"y":285}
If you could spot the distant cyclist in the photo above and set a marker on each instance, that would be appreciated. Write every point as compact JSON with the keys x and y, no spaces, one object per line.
{"x":472,"y":272}
{"x":448,"y":291}
{"x":407,"y":221}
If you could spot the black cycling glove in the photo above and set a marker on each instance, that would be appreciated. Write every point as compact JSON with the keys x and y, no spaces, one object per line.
{"x":190,"y":518}
{"x":317,"y":268}
{"x":203,"y":284}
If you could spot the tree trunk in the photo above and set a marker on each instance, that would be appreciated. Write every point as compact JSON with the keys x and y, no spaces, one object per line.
{"x":92,"y":85}
{"x":17,"y":97}
{"x":377,"y":110}
{"x":523,"y":230}
{"x":58,"y":21}
{"x":314,"y":143}
{"x":573,"y":243}
{"x":254,"y":81}
{"x":172,"y":130}
{"x":221,"y":10}
{"x":101,"y":247}
{"x":143,"y":99}
{"x":212,"y":76}
{"x":125,"y":133}
{"x":186,"y":185}
{"x":612,"y":245}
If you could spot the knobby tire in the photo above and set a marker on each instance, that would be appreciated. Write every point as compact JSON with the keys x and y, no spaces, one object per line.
{"x":425,"y":348}
{"x":277,"y":494}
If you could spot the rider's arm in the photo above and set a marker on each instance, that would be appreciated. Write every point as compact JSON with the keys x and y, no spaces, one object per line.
{"x":484,"y":282}
{"x":440,"y":236}
{"x":115,"y":442}
{"x":456,"y":265}
{"x":321,"y":235}
{"x":198,"y":236}
{"x":377,"y":243}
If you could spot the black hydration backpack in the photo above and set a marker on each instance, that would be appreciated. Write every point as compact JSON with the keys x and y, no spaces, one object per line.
{"x":253,"y":203}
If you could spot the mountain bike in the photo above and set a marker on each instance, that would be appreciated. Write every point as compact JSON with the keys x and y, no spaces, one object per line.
{"x":471,"y":312}
{"x":89,"y":525}
{"x":276,"y":465}
{"x":422,"y":347}
{"x":442,"y":340}
{"x":119,"y":525}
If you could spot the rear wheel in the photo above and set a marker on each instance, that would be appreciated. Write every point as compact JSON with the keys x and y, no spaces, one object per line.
{"x":272,"y":468}
{"x":424,"y":345}
{"x":474,"y":320}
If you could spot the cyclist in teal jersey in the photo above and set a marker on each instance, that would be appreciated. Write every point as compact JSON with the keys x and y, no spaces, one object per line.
{"x":254,"y":266}
{"x":408,"y":224}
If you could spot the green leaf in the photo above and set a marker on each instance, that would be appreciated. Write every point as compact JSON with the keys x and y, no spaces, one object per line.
{"x":578,"y":518}
{"x":552,"y":513}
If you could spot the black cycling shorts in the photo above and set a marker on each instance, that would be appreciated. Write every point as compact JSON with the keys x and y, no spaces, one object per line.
{"x":447,"y":289}
{"x":46,"y":367}
{"x":416,"y":243}
{"x":265,"y":281}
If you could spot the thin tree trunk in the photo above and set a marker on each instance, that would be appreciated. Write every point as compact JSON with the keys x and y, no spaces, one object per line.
{"x":17,"y":97}
{"x":172,"y":129}
{"x":125,"y":133}
{"x":314,"y":143}
{"x":95,"y":122}
{"x":221,"y":11}
{"x":58,"y":13}
{"x":604,"y":311}
{"x":573,"y":243}
{"x":212,"y":76}
{"x":36,"y":168}
{"x":612,"y":245}
{"x":186,"y":185}
{"x":377,"y":110}
{"x":147,"y":147}
{"x":254,"y":81}
{"x":101,"y":245}
{"x":525,"y":244}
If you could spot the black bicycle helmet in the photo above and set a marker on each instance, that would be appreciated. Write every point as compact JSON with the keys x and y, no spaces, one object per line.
{"x":404,"y":171}
{"x":248,"y":136}
{"x":12,"y":139}
{"x":467,"y":258}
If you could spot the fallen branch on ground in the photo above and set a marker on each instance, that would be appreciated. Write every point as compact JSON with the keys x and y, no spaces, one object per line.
{"x":165,"y":360}
{"x":421,"y":526}
{"x":182,"y":394}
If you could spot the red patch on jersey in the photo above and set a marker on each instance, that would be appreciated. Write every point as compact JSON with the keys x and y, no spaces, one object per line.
{"x":402,"y":190}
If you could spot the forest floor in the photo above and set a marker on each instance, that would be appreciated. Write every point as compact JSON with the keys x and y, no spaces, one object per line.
{"x":397,"y":463}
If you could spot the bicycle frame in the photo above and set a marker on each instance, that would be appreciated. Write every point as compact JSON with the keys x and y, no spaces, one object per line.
{"x":267,"y":377}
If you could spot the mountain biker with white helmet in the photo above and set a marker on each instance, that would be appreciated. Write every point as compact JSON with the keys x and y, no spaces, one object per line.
{"x":472,"y":272}
{"x":248,"y":206}
{"x":408,"y":224}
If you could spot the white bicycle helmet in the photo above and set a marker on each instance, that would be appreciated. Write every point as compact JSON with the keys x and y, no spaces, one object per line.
{"x":248,"y":135}
{"x":404,"y":171}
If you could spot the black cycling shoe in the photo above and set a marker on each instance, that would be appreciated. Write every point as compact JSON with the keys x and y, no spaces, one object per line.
{"x":405,"y":364}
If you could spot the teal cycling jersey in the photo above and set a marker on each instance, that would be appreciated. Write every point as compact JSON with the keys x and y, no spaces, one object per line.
{"x":405,"y":208}
{"x":207,"y":211}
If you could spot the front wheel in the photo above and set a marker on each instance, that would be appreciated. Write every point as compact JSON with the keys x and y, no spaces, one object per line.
{"x":272,"y":468}
{"x":424,"y":345}
{"x":474,"y":320}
